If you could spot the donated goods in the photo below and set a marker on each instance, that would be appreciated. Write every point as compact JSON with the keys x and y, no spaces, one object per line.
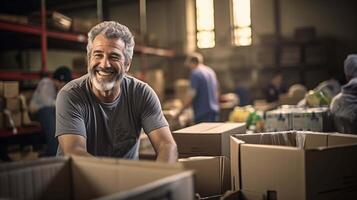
{"x":294,"y":165}
{"x":247,"y":114}
{"x":296,"y":93}
{"x":310,"y":119}
{"x":92,"y":178}
{"x":317,"y":98}
{"x":240,"y":114}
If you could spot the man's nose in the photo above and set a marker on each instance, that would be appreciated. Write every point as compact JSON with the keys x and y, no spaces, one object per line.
{"x":105,"y":62}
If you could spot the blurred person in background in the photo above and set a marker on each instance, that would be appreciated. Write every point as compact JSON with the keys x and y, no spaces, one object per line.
{"x":275,"y":88}
{"x":203,"y":95}
{"x":43,"y":102}
{"x":344,"y":105}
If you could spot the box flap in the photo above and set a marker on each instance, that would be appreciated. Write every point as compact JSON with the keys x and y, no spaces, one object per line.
{"x":208,"y":174}
{"x":235,"y":157}
{"x":198,"y":128}
{"x":105,"y":176}
{"x":331,"y":172}
{"x":314,"y":139}
{"x":341,"y":139}
{"x":213,"y":128}
{"x":266,"y":168}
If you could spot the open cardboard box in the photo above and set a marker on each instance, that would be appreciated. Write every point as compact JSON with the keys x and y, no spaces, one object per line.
{"x":206,"y":139}
{"x":212,"y":174}
{"x":294,"y":165}
{"x":94,"y":178}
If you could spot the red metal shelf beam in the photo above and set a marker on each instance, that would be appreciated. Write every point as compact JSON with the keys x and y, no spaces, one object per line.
{"x":35,"y":30}
{"x":22,"y":75}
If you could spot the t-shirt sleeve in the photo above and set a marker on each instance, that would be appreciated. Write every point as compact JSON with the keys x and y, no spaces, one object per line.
{"x":69,"y":118}
{"x":151,"y":114}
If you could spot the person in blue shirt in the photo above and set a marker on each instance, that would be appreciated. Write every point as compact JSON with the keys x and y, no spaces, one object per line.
{"x":204,"y":90}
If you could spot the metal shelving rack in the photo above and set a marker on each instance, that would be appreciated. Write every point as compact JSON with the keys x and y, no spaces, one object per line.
{"x":65,"y":36}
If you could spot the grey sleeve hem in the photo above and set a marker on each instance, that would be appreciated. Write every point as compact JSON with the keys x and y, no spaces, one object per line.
{"x":71,"y":133}
{"x":154,"y":128}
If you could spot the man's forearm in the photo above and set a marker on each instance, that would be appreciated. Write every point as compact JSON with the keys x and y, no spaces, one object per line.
{"x":77,"y":152}
{"x":167,"y":153}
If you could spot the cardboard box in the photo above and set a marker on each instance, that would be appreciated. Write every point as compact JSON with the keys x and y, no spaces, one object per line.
{"x":13,"y":104}
{"x":206,"y":139}
{"x":88,"y":178}
{"x":83,"y":25}
{"x":295,"y":165}
{"x":1,"y":88}
{"x":212,"y":174}
{"x":54,"y":20}
{"x":11,"y":89}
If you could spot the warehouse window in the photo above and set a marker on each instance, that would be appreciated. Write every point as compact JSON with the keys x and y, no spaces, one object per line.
{"x":242,"y":29}
{"x":205,"y":24}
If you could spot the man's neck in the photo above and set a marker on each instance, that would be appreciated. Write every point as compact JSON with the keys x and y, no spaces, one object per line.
{"x":107,"y":96}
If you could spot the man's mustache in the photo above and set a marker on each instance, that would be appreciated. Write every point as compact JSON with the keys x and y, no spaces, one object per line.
{"x":105,"y":69}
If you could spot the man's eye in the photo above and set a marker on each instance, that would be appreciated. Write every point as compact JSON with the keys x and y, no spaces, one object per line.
{"x":97,"y":55}
{"x":115,"y":58}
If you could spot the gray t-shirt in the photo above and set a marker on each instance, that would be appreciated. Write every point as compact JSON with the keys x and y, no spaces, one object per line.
{"x":111,"y":129}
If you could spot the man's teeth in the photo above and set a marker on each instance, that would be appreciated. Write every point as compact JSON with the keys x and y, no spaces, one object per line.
{"x":104,"y":73}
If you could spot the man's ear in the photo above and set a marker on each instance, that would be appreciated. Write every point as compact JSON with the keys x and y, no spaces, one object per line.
{"x":128,"y":66}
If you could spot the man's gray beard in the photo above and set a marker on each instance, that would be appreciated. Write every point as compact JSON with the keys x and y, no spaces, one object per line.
{"x":105,"y":85}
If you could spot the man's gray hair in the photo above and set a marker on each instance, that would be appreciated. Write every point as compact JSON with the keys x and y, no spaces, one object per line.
{"x":113,"y":30}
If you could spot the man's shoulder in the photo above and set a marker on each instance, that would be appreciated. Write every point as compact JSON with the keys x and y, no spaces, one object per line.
{"x":79,"y":83}
{"x":132,"y":82}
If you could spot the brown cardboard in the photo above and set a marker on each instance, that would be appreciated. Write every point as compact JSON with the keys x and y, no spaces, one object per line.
{"x":212,"y":174}
{"x":316,"y":170}
{"x":88,"y":178}
{"x":11,"y":89}
{"x":207,"y":139}
{"x":1,"y":87}
{"x":341,"y":139}
{"x":13,"y":104}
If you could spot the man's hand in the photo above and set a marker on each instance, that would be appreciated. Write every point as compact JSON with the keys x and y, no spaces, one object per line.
{"x":73,"y":144}
{"x":164,"y":145}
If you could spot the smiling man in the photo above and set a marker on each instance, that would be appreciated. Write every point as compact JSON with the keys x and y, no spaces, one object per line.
{"x":103,"y":112}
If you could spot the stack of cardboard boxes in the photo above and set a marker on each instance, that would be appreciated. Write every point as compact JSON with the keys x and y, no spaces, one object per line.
{"x":10,"y":105}
{"x":204,"y":148}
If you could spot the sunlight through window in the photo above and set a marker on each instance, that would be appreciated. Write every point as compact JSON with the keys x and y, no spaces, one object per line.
{"x":205,"y":23}
{"x":242,"y":30}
